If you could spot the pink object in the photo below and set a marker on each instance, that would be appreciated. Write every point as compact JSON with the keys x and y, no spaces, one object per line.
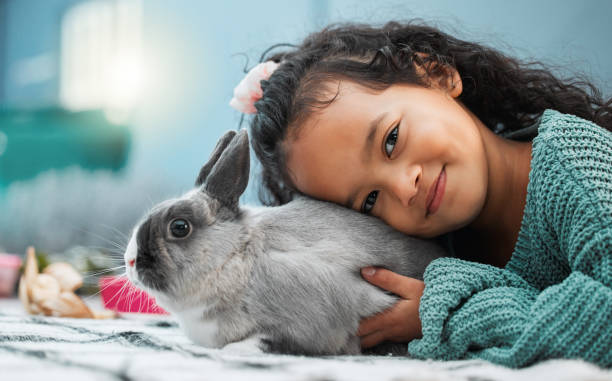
{"x":119,"y":294}
{"x":9,"y":271}
{"x":249,"y":90}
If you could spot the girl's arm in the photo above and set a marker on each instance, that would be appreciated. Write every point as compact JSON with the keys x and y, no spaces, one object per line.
{"x":472,"y":310}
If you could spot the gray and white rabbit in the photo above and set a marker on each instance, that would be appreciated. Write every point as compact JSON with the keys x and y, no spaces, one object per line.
{"x":273,"y":279}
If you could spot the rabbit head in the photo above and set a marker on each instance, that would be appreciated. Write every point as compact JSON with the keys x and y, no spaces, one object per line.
{"x":177,"y":252}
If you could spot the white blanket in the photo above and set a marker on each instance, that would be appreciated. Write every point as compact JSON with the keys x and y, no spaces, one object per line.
{"x":147,"y":347}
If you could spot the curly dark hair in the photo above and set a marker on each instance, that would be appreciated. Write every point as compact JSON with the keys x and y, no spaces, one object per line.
{"x":508,"y":95}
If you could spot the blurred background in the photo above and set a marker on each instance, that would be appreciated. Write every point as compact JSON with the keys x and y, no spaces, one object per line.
{"x":109,"y":106}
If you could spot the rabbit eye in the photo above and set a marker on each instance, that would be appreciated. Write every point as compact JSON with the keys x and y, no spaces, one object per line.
{"x":179,"y":228}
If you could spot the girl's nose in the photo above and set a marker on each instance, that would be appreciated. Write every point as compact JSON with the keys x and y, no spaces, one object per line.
{"x":404,"y":185}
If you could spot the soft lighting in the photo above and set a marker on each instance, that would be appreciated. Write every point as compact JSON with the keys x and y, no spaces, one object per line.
{"x":101,"y":58}
{"x":124,"y":88}
{"x":125,"y":82}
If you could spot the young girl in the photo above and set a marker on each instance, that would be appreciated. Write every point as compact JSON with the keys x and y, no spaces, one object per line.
{"x":441,"y":137}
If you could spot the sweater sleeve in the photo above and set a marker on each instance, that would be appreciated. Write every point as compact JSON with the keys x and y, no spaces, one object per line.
{"x":561,"y":304}
{"x":471,"y":310}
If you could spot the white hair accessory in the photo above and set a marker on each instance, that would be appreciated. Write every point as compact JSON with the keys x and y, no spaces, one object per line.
{"x":249,"y":90}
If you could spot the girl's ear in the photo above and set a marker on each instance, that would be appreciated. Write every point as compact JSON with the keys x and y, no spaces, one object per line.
{"x":440,"y":76}
{"x":455,"y":88}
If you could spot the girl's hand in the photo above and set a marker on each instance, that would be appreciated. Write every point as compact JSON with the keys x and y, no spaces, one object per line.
{"x":399,"y":323}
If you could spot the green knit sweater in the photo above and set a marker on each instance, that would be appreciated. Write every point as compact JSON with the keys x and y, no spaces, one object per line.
{"x":554,"y":297}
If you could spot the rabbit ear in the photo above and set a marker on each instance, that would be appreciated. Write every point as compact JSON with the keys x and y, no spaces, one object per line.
{"x":230,"y":175}
{"x":219,"y":148}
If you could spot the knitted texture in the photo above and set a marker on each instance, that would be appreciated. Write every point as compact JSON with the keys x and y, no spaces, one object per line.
{"x":554,"y":297}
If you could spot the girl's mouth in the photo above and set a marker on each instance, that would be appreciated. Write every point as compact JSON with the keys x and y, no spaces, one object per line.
{"x":436,"y":193}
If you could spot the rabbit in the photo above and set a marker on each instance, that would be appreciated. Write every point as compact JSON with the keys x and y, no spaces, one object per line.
{"x":282,"y":279}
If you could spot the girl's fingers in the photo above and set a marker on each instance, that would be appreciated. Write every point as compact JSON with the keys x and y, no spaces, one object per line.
{"x":405,"y":287}
{"x":401,"y":321}
{"x":372,"y":339}
{"x":373,"y":324}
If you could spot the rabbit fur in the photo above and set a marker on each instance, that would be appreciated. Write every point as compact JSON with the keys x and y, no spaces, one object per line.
{"x":282,"y":279}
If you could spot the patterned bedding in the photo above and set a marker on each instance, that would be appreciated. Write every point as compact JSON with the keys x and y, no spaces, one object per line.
{"x":148,"y":347}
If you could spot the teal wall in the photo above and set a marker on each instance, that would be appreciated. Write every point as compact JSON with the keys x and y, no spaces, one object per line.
{"x":30,"y":28}
{"x":194,"y":53}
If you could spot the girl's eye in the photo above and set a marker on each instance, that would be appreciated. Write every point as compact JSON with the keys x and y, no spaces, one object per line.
{"x":369,"y":202}
{"x":391,"y":140}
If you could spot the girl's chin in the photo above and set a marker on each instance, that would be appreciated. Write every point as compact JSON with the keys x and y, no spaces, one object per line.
{"x":451,"y":226}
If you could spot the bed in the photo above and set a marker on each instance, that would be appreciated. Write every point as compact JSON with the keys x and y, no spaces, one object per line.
{"x":152,"y":347}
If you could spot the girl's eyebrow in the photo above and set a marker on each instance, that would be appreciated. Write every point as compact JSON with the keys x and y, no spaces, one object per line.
{"x":367,"y":148}
{"x":371,"y":134}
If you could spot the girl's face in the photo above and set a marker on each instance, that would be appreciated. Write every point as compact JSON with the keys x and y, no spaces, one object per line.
{"x":383,"y":152}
